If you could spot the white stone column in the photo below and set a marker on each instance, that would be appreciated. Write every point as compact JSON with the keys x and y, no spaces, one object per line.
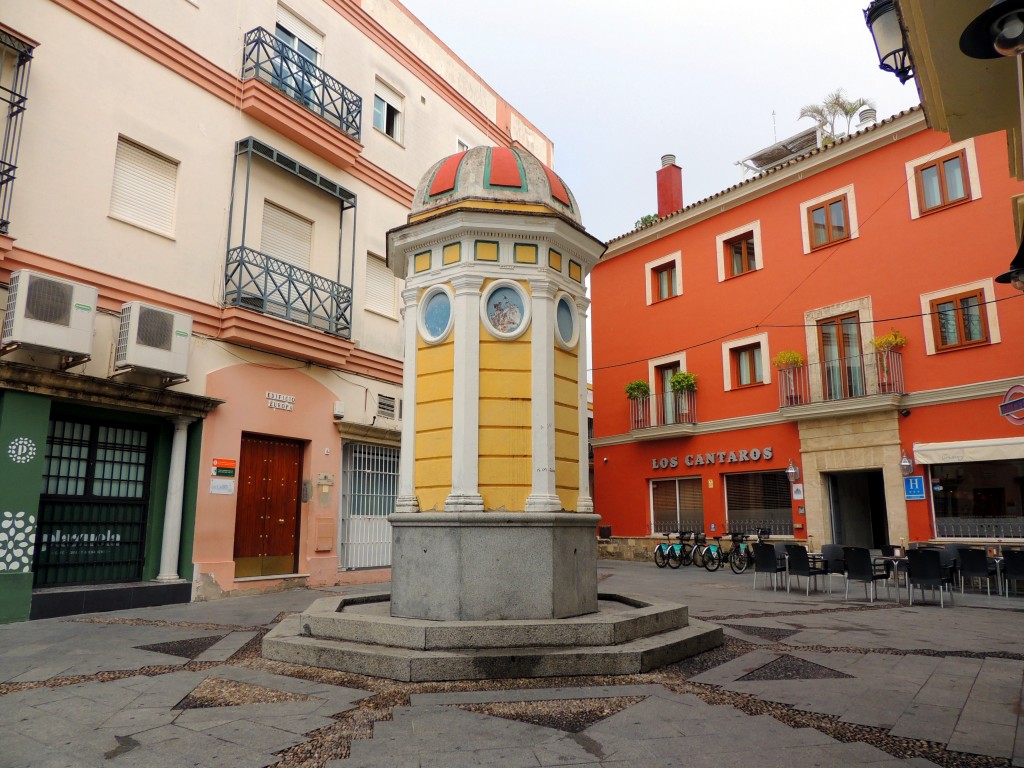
{"x":171,"y":542}
{"x":584,"y":503}
{"x":407,"y":500}
{"x":543,"y":494}
{"x":465,"y":494}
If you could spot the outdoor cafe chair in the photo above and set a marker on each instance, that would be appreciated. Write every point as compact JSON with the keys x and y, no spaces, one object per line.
{"x":768,"y":562}
{"x":975,"y":564}
{"x":859,"y":567}
{"x":800,"y":565}
{"x":832,"y":559}
{"x":926,"y":569}
{"x":1013,"y":569}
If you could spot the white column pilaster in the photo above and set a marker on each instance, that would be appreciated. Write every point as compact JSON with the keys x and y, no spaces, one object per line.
{"x":407,"y":500}
{"x":543,"y":493}
{"x":171,"y":542}
{"x":465,"y":494}
{"x":584,"y":503}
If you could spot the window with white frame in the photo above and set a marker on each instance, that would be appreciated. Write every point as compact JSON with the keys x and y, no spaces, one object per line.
{"x":286,"y":236}
{"x":942,"y":179}
{"x":665,"y":406}
{"x":380,"y":286}
{"x":144,"y":188}
{"x":829,"y":219}
{"x":664,"y":277}
{"x":739,"y":251}
{"x":745,"y":362}
{"x":387,"y":111}
{"x":960,"y":316}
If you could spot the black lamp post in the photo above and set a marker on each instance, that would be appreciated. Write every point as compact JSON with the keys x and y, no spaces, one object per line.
{"x":887,"y":32}
{"x":1015,"y":275}
{"x":997,"y":31}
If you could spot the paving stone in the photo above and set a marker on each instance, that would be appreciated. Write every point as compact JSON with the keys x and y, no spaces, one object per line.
{"x":983,"y":738}
{"x":928,"y":722}
{"x":257,"y":736}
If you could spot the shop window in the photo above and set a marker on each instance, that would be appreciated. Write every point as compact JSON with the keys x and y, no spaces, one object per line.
{"x":959,"y":320}
{"x":387,"y":111}
{"x":677,"y":504}
{"x":979,"y":499}
{"x":664,"y":278}
{"x":943,"y":179}
{"x":758,"y":500}
{"x":746,"y":365}
{"x":829,"y":219}
{"x":745,"y":362}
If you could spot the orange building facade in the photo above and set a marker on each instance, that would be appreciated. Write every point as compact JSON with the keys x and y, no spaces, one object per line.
{"x":840,"y":315}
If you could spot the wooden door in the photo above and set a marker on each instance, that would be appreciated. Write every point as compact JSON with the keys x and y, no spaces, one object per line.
{"x":267,"y":510}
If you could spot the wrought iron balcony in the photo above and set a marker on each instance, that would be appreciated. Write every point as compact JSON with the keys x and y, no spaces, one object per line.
{"x":262,"y":283}
{"x":663,"y":409}
{"x":850,"y":377}
{"x":268,"y":59}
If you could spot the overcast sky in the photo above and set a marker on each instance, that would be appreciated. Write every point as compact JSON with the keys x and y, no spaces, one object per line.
{"x":617,"y":85}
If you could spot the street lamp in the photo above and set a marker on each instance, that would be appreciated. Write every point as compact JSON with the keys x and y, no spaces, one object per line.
{"x":884,"y":24}
{"x":997,"y":31}
{"x":1015,"y":275}
{"x":792,"y":472}
{"x":906,"y":465}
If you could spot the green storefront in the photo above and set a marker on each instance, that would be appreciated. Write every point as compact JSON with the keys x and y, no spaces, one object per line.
{"x":84,"y":475}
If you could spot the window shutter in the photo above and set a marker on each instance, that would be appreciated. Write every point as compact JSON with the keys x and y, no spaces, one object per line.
{"x":389,"y":95}
{"x":300,"y":29}
{"x":144,"y":188}
{"x":286,"y":236}
{"x":380,"y":286}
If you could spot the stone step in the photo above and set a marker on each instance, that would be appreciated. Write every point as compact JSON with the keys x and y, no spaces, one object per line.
{"x":287,"y":643}
{"x":366,"y":619}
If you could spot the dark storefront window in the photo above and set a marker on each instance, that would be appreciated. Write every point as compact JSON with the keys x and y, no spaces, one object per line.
{"x":756,"y":500}
{"x":980,"y":499}
{"x":677,"y":505}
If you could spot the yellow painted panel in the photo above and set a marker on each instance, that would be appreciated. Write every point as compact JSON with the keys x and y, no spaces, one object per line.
{"x":486,"y":251}
{"x":575,"y":271}
{"x":568,"y":499}
{"x":525,"y":253}
{"x":566,"y":393}
{"x":505,"y":441}
{"x":567,"y":445}
{"x":555,"y":260}
{"x":496,"y":355}
{"x":434,"y":444}
{"x":503,"y":412}
{"x":436,"y":415}
{"x":566,"y":419}
{"x":435,"y":358}
{"x":432,"y":499}
{"x":433,"y":387}
{"x":566,"y":364}
{"x":567,"y":476}
{"x":452,"y":253}
{"x":493,"y":381}
{"x":421,"y":261}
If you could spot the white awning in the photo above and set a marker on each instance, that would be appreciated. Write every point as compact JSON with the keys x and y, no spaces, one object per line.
{"x":969,"y":450}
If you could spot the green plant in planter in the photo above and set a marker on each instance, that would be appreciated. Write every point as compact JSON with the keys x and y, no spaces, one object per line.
{"x":788,"y":358}
{"x":889,"y":341}
{"x":637,"y":389}
{"x":683,"y":381}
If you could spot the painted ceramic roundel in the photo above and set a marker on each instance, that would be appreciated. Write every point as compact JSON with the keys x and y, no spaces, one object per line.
{"x":437,"y":315}
{"x":565,"y":321}
{"x":506,"y":311}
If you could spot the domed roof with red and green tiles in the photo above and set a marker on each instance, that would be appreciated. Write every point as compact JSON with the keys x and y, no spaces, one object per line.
{"x":493,"y":178}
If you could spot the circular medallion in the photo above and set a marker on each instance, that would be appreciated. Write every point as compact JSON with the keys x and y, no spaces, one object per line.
{"x":505,"y":309}
{"x":435,"y":317}
{"x":21,"y":450}
{"x":566,"y":323}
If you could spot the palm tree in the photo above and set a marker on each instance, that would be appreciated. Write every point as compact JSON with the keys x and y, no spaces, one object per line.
{"x":832,"y":108}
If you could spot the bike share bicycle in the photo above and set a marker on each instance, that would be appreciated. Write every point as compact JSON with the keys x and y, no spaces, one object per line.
{"x":740,"y":556}
{"x":674,"y":555}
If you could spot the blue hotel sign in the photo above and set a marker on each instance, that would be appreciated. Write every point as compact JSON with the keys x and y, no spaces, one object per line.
{"x":913,"y":488}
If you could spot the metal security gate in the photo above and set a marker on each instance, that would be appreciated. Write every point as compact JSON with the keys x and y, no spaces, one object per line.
{"x":369,"y":488}
{"x":93,"y":505}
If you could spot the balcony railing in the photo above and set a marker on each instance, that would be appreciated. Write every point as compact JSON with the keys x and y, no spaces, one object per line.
{"x":663,"y":409}
{"x":849,"y":377}
{"x":267,"y":58}
{"x":980,"y":527}
{"x":262,"y":283}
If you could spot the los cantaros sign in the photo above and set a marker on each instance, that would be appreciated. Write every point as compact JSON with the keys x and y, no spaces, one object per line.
{"x":716,"y":458}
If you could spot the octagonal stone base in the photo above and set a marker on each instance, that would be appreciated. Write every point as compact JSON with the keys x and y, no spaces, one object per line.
{"x":486,"y":566}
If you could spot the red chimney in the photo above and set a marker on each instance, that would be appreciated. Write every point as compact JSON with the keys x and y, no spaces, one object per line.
{"x":670,"y":186}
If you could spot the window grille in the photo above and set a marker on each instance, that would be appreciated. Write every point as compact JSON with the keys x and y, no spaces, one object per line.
{"x":757,"y":500}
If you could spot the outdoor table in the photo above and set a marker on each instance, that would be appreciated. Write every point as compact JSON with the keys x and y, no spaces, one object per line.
{"x":897,"y":561}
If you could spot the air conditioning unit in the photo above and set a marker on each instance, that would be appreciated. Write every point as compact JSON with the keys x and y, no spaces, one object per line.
{"x":153,"y":339}
{"x":47,"y":312}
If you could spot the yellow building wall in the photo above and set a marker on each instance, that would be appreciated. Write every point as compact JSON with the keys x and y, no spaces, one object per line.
{"x":567,"y":427}
{"x":506,"y":442}
{"x":432,"y":474}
